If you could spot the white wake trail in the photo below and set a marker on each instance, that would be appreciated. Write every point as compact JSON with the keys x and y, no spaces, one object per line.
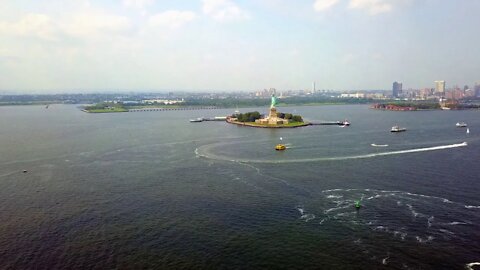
{"x":372,"y":155}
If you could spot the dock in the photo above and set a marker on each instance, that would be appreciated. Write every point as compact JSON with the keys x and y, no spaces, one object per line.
{"x":206,"y":119}
{"x":174,"y":109}
{"x":328,"y":123}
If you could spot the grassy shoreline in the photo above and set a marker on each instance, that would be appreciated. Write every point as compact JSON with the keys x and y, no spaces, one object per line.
{"x":253,"y":124}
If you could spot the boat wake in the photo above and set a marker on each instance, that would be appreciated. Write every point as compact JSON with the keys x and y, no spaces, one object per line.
{"x":404,"y":215}
{"x":206,"y":151}
{"x":470,"y":265}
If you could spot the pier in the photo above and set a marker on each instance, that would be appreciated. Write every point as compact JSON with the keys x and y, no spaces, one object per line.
{"x":174,"y":109}
{"x":330,"y":123}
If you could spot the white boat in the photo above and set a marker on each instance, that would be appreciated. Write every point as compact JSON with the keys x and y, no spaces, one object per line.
{"x":461,"y":124}
{"x":196,"y":120}
{"x":397,"y":129}
{"x":379,"y":145}
{"x":468,"y":131}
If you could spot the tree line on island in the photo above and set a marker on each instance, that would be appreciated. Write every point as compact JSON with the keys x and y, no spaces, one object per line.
{"x":252,"y":116}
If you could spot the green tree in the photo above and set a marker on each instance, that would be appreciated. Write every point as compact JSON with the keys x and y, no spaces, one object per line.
{"x":297,"y":118}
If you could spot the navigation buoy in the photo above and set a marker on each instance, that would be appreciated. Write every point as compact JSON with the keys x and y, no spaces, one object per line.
{"x":357,"y":204}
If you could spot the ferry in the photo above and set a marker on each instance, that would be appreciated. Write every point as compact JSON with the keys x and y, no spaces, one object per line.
{"x":280,"y":147}
{"x":397,"y":129}
{"x":461,"y":124}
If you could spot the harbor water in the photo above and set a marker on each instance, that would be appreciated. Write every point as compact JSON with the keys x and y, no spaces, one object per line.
{"x":150,"y":190}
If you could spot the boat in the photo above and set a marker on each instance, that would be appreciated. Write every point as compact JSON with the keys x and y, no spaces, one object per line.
{"x":379,"y":145}
{"x":280,"y":147}
{"x":461,"y":124}
{"x":468,"y":131}
{"x":344,"y":123}
{"x":196,"y":120}
{"x":397,"y":129}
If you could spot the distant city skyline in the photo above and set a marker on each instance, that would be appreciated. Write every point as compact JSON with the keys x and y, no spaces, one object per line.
{"x":231,"y":45}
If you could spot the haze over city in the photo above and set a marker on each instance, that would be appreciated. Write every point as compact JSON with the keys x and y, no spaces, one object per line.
{"x":226,"y":45}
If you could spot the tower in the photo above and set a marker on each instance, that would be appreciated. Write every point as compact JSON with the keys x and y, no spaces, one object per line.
{"x":440,"y":87}
{"x":396,"y":89}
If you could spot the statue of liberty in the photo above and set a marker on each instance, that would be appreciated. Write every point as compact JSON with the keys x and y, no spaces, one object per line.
{"x":274,"y":100}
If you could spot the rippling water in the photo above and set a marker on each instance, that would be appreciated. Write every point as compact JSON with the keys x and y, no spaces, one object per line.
{"x":151,"y":190}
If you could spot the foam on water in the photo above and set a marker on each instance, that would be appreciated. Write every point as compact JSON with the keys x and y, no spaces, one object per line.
{"x":424,"y":240}
{"x":470,"y":265}
{"x":395,"y":212}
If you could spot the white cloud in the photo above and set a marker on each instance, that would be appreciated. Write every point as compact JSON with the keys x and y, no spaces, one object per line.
{"x":323,"y":5}
{"x":86,"y":26}
{"x":31,"y":25}
{"x":373,"y":7}
{"x":172,"y":18}
{"x":140,"y":4}
{"x":95,"y":24}
{"x":224,"y":10}
{"x":348,"y":58}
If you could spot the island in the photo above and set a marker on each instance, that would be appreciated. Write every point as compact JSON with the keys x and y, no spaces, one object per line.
{"x":105,"y":107}
{"x":273,"y":120}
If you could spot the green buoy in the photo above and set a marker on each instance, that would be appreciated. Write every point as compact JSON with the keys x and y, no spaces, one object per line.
{"x":357,"y":204}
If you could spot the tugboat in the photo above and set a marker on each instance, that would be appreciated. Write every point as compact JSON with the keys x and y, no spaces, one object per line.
{"x":280,"y":147}
{"x":397,"y":129}
{"x":461,"y":124}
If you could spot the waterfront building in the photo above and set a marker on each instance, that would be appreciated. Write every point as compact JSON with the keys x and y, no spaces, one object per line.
{"x":477,"y":89}
{"x":440,"y":87}
{"x":396,"y":89}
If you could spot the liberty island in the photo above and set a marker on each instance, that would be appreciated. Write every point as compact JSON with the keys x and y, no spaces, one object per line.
{"x":274,"y":119}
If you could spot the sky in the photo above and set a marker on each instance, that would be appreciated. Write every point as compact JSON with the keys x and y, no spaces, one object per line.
{"x":51,"y":46}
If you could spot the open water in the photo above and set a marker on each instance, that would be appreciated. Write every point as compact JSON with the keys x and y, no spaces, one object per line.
{"x":152,"y":191}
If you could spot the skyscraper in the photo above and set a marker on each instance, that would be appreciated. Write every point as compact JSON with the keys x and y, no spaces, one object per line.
{"x":396,"y":89}
{"x":440,"y":87}
{"x":477,"y":89}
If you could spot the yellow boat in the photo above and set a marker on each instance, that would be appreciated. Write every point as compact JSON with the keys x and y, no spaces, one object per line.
{"x":280,"y":147}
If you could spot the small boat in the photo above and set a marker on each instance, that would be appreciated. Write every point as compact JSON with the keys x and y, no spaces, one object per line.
{"x":196,"y":120}
{"x":397,"y":129}
{"x":280,"y":147}
{"x":461,"y":124}
{"x":468,"y":131}
{"x":379,"y":145}
{"x":341,"y":123}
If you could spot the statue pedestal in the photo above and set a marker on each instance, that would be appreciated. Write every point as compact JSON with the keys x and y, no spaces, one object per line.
{"x":272,"y":118}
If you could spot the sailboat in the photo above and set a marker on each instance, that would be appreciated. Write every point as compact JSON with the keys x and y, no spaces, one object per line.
{"x":468,"y":131}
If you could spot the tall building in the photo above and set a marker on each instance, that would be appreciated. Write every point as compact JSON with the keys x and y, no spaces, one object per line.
{"x":477,"y":89}
{"x":396,"y":89}
{"x":440,"y":87}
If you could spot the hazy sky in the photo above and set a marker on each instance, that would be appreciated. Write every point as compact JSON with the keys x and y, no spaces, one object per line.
{"x":79,"y":45}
